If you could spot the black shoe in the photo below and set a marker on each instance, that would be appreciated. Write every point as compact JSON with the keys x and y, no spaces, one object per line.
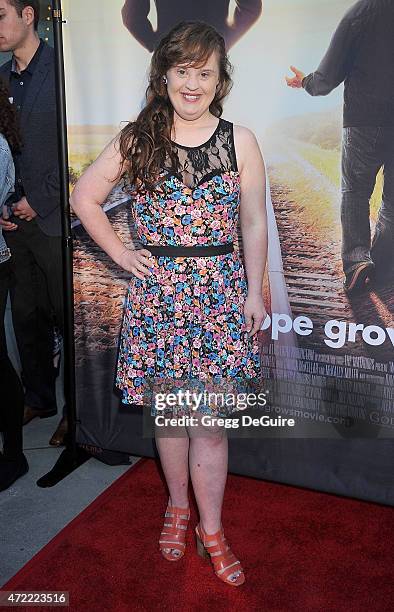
{"x":11,"y":470}
{"x":356,"y":280}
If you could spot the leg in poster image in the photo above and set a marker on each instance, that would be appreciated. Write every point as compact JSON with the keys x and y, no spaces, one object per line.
{"x":364,"y":151}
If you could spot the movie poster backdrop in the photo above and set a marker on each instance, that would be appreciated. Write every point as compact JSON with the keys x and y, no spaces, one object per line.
{"x":328,"y":358}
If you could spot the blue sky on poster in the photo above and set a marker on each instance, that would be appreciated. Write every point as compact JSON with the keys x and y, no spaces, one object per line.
{"x":106,"y":68}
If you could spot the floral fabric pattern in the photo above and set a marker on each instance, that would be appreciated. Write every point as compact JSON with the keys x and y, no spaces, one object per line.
{"x":183,"y":326}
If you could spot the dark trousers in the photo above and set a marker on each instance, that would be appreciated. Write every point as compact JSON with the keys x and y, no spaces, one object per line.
{"x":364,"y":151}
{"x":37,"y":303}
{"x":11,"y":391}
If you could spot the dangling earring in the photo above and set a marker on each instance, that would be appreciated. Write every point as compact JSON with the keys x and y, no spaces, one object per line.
{"x":165,"y":80}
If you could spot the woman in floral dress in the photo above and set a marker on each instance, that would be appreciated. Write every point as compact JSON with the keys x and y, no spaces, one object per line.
{"x":194,"y":305}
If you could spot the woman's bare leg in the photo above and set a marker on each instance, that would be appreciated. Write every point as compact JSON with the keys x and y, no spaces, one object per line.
{"x":208,"y":462}
{"x":173,"y":454}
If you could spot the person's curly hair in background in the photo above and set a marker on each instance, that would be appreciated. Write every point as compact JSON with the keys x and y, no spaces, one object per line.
{"x":9,"y":126}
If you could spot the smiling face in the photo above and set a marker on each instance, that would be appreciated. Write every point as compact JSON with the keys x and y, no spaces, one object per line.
{"x":14,"y":29}
{"x":192,"y":89}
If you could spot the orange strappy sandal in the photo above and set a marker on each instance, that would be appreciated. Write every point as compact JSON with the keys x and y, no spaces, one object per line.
{"x":225,"y":563}
{"x":172,"y":538}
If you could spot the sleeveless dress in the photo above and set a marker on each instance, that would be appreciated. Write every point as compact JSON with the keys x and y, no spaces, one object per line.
{"x":183,"y":326}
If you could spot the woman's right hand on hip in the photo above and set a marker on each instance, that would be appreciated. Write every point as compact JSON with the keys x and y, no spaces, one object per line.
{"x":136,"y":261}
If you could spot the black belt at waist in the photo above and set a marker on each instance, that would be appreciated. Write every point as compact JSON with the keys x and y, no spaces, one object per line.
{"x":190,"y":251}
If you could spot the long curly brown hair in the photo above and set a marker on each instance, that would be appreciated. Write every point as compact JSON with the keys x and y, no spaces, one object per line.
{"x":9,"y":125}
{"x":145,"y":143}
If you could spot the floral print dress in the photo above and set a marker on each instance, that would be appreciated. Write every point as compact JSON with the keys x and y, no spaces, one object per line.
{"x":183,"y":326}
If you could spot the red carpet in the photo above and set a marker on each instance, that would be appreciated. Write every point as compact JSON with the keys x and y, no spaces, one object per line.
{"x":301,"y":550}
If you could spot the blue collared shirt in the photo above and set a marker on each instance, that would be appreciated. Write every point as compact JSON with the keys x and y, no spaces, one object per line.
{"x":7,"y":182}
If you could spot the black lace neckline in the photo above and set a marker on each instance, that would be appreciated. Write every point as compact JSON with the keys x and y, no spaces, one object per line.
{"x":213,"y":157}
{"x":176,"y":144}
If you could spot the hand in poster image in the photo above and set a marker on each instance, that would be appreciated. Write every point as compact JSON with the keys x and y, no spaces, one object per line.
{"x":295,"y":81}
{"x":170,"y":12}
{"x":360,"y":56}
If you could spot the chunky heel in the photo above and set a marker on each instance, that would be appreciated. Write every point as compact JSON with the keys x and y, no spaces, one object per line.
{"x":172,"y":538}
{"x":225,"y":564}
{"x":201,"y":548}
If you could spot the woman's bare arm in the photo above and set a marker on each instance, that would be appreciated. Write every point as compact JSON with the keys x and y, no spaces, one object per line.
{"x":253,"y":219}
{"x":253,"y":215}
{"x":90,"y":193}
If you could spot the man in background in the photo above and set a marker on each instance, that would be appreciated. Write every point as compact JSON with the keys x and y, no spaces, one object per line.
{"x":361,"y":55}
{"x":170,"y":12}
{"x":33,"y":232}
